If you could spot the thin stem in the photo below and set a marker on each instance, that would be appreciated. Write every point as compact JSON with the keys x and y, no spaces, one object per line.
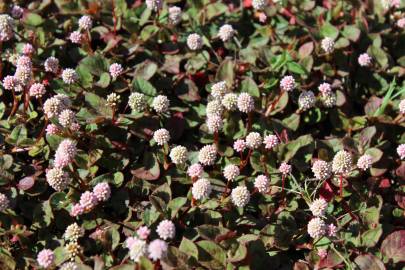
{"x":114,"y":17}
{"x":341,"y":185}
{"x":15,"y":103}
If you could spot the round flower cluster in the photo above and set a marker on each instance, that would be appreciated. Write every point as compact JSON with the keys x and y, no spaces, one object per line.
{"x":65,"y":153}
{"x":254,"y":140}
{"x":246,"y":103}
{"x":113,"y":100}
{"x":214,"y":123}
{"x":328,"y":45}
{"x":66,"y":118}
{"x":69,"y":266}
{"x":322,"y":170}
{"x":259,"y":4}
{"x":137,"y":102}
{"x":154,"y":5}
{"x":137,"y":248}
{"x":157,"y":249}
{"x":207,"y":155}
{"x":178,"y":155}
{"x":23,"y":71}
{"x":306,"y":100}
{"x":72,"y":249}
{"x":52,"y":129}
{"x":194,"y":41}
{"x":316,"y":228}
{"x":230,"y":101}
{"x":37,"y":90}
{"x":364,"y":162}
{"x":4,"y":202}
{"x":17,"y":11}
{"x":11,"y":82}
{"x":329,"y":100}
{"x":161,"y":104}
{"x":45,"y":258}
{"x":239,"y":145}
{"x":219,"y":89}
{"x":69,"y":76}
{"x":102,"y":191}
{"x":161,"y":136}
{"x":143,"y":232}
{"x":287,"y":83}
{"x":240,"y":196}
{"x":115,"y":70}
{"x":214,"y":108}
{"x":88,"y":201}
{"x":262,"y":183}
{"x":325,"y":88}
{"x":226,"y":32}
{"x":270,"y":141}
{"x":6,"y":27}
{"x":195,"y":170}
{"x":58,"y":179}
{"x":401,"y":23}
{"x":401,"y":151}
{"x":85,"y":22}
{"x":364,"y":60}
{"x":342,"y":162}
{"x":318,"y":207}
{"x":28,"y":49}
{"x":166,"y":229}
{"x":73,"y":232}
{"x":175,"y":15}
{"x":285,"y":168}
{"x":201,"y":189}
{"x":231,"y":172}
{"x":51,"y":65}
{"x":76,"y":37}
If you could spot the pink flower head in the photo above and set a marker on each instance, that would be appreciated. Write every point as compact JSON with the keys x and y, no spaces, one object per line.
{"x":262,"y":17}
{"x":77,"y":210}
{"x":28,"y":49}
{"x":195,"y":170}
{"x":285,"y":168}
{"x":10,"y":82}
{"x":157,"y":249}
{"x":331,"y":230}
{"x":143,"y":232}
{"x":37,"y":90}
{"x":401,"y":23}
{"x":270,"y":141}
{"x":102,"y":191}
{"x":52,"y":129}
{"x":116,"y":70}
{"x":65,"y":153}
{"x":239,"y":145}
{"x":88,"y":201}
{"x":325,"y":88}
{"x":17,"y":11}
{"x":364,"y":60}
{"x":45,"y":258}
{"x":287,"y":83}
{"x":401,"y":151}
{"x":76,"y":37}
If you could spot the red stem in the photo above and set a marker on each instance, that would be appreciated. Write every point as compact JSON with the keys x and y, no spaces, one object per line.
{"x":341,"y":185}
{"x":282,"y":182}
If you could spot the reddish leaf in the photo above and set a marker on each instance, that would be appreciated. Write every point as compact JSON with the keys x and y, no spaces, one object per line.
{"x":326,"y":192}
{"x":393,"y":246}
{"x":26,"y":183}
{"x":369,"y":262}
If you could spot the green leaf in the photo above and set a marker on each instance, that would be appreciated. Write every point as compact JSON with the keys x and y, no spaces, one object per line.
{"x":33,"y":19}
{"x":143,"y":86}
{"x":188,"y":247}
{"x":328,"y":30}
{"x":58,"y":200}
{"x":145,"y":70}
{"x":95,"y":64}
{"x":104,"y":80}
{"x":226,"y":72}
{"x":175,"y":205}
{"x":351,"y":32}
{"x":249,"y":85}
{"x":296,"y":68}
{"x":211,"y":255}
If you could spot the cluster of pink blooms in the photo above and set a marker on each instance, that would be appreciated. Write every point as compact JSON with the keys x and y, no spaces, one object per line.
{"x":65,"y":153}
{"x":138,"y":245}
{"x":85,"y":23}
{"x":90,"y":199}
